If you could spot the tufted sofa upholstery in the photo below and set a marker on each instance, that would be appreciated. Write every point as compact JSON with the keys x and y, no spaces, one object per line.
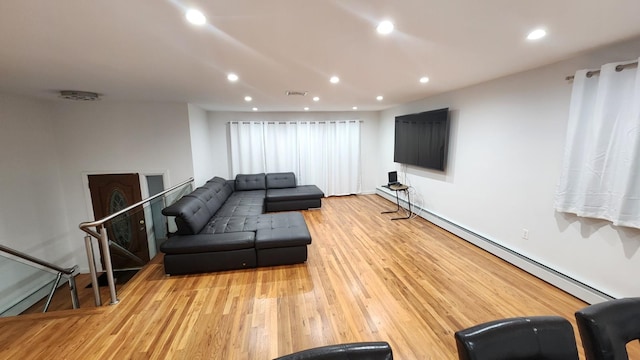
{"x":283,"y":194}
{"x":606,"y":328}
{"x":221,"y":226}
{"x":533,"y":337}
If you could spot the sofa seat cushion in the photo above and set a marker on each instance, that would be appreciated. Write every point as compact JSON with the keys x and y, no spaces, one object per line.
{"x":202,"y":243}
{"x":303,"y":192}
{"x":282,"y":237}
{"x":226,"y":224}
{"x":248,"y":195}
{"x":243,"y":203}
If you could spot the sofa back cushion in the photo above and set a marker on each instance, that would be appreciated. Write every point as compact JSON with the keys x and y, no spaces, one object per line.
{"x":191,"y":214}
{"x":221,"y":189}
{"x":250,"y":182}
{"x":215,"y":180}
{"x":207,"y":196}
{"x":281,"y":180}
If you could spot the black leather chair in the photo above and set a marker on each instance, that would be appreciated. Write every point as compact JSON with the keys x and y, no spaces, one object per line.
{"x":354,"y":351}
{"x":536,"y":337}
{"x":606,"y":328}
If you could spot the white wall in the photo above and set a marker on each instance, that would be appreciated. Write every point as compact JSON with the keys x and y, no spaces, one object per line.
{"x":33,"y":216}
{"x":202,"y":153}
{"x":507,"y":143}
{"x":369,"y":132}
{"x":117,"y":137}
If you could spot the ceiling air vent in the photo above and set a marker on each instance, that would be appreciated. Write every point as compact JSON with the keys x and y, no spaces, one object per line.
{"x":296,"y":93}
{"x":79,"y":95}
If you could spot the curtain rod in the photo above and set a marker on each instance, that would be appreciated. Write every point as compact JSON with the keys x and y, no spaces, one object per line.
{"x":292,"y":121}
{"x":596,"y":72}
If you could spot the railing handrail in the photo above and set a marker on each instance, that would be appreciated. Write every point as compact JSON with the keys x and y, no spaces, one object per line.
{"x":87,"y":225}
{"x":102,"y":237}
{"x":67,"y":271}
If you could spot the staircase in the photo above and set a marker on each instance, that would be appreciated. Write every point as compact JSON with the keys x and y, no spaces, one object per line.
{"x":26,"y":280}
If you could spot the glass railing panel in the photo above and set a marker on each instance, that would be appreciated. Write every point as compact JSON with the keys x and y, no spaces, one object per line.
{"x":135,"y":236}
{"x":129,"y":237}
{"x":22,"y":285}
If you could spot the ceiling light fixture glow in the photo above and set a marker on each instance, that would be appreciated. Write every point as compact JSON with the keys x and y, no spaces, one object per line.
{"x":424,"y":80}
{"x":315,"y":98}
{"x":255,"y":109}
{"x":306,"y":109}
{"x":355,"y":108}
{"x":385,"y":27}
{"x":232,"y":77}
{"x":248,"y":98}
{"x":379,"y":97}
{"x":537,"y":34}
{"x":334,"y":80}
{"x":196,"y":17}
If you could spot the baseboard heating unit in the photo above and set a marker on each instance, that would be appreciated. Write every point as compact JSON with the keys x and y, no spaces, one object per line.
{"x":576,"y":288}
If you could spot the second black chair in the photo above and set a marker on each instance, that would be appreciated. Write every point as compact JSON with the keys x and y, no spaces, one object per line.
{"x":535,"y":337}
{"x":606,"y":328}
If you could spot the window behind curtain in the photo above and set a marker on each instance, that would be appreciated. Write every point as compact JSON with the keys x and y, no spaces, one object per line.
{"x":601,"y":169}
{"x":323,"y":153}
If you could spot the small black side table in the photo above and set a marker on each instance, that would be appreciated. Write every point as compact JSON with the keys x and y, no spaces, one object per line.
{"x":396,"y":188}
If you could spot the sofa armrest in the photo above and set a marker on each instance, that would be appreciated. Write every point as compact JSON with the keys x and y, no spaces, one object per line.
{"x":199,"y":243}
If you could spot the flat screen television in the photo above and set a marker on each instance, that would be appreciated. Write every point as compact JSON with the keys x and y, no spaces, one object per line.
{"x":422,"y":139}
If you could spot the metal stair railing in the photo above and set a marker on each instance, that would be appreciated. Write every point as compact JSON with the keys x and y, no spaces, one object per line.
{"x":69,"y":272}
{"x":102,"y":237}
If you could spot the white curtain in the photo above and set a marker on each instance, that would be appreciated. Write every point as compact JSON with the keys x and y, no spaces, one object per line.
{"x":247,"y":148}
{"x":323,"y":153}
{"x":601,"y":169}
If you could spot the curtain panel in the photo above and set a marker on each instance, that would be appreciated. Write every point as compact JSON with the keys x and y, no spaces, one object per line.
{"x":323,"y":153}
{"x":600,"y":176}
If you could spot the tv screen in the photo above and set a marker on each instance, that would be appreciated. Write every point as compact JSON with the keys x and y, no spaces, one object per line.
{"x":422,"y":139}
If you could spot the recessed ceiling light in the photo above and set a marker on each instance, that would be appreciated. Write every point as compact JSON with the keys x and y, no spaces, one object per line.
{"x":248,"y":98}
{"x":537,"y":34}
{"x":196,"y":17}
{"x":424,"y":80}
{"x":379,"y":97}
{"x":334,"y":79}
{"x":232,"y":77}
{"x":355,"y":108}
{"x":385,"y":27}
{"x":315,"y":98}
{"x":306,"y":109}
{"x":255,"y":109}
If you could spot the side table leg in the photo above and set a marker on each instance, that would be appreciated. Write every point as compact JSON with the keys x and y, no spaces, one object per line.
{"x":409,"y":213}
{"x":396,"y":210}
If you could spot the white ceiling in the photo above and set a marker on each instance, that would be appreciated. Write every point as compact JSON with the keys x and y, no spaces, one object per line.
{"x":145,"y":50}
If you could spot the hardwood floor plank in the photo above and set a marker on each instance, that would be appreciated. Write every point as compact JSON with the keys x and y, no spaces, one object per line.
{"x":367,"y":278}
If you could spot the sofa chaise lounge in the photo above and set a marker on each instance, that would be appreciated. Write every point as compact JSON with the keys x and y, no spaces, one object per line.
{"x":222,"y":225}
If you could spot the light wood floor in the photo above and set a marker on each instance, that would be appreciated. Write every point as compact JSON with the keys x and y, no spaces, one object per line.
{"x":367,"y":278}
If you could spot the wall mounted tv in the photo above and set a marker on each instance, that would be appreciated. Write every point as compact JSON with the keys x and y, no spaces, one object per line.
{"x":422,"y":139}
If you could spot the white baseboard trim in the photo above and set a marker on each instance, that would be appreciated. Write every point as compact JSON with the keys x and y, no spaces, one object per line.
{"x":580,"y":290}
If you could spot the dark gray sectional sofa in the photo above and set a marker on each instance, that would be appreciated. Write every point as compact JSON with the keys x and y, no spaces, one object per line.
{"x":222,"y":225}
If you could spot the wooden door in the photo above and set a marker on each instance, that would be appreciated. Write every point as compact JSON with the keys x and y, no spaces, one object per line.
{"x":109,"y":194}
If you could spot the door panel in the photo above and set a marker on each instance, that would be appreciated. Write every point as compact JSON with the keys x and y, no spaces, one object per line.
{"x":109,"y":194}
